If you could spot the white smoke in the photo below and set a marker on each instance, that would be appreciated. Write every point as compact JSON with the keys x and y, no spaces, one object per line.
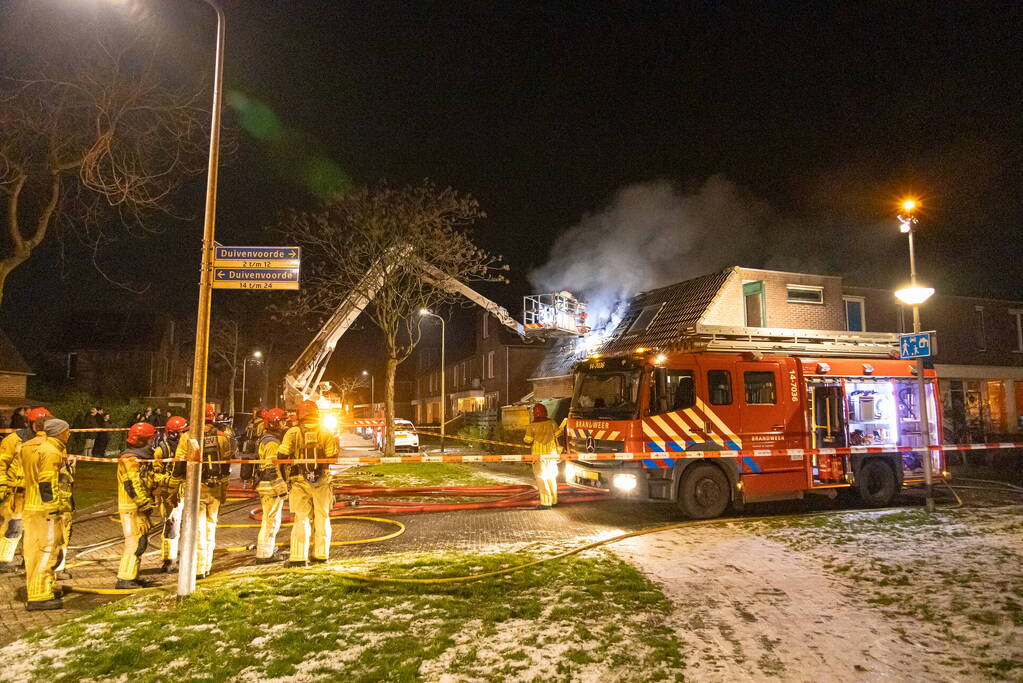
{"x":650,"y":235}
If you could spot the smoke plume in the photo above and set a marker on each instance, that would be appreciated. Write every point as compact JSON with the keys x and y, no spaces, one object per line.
{"x":654,"y":234}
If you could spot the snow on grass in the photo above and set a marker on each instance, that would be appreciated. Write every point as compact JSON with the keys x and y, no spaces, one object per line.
{"x":577,"y":619}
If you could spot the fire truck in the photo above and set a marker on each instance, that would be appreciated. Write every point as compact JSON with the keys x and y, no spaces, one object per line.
{"x":731,"y":418}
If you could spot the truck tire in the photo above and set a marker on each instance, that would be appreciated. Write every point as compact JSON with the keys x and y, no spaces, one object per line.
{"x":876,"y":483}
{"x":704,"y":492}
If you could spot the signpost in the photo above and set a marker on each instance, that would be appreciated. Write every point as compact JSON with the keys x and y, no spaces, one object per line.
{"x":256,"y":268}
{"x":917,"y":345}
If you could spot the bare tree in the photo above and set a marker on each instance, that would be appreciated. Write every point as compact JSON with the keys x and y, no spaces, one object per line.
{"x":89,"y":135}
{"x":347,"y":385}
{"x":225,"y":343}
{"x":393,"y":232}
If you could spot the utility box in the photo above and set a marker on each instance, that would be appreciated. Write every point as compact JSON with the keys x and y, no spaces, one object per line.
{"x":557,"y":313}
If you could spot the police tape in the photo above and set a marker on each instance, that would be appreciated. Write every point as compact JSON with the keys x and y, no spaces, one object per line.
{"x":792,"y":453}
{"x":83,"y":429}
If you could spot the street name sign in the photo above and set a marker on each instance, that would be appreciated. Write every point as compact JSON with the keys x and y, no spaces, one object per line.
{"x":917,"y":345}
{"x":256,"y":267}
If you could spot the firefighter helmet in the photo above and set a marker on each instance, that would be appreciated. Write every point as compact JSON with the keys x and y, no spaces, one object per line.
{"x":140,"y":431}
{"x":539,"y":411}
{"x":307,"y":409}
{"x":38,"y":414}
{"x":211,"y":412}
{"x":177,"y":424}
{"x":274,"y":416}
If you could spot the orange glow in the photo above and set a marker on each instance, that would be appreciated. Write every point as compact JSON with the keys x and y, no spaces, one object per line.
{"x":909,"y":204}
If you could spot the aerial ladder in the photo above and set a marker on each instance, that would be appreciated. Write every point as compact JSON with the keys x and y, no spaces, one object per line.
{"x":303,"y":379}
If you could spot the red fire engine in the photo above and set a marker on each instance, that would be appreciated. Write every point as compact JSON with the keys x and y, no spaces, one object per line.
{"x":695,"y":408}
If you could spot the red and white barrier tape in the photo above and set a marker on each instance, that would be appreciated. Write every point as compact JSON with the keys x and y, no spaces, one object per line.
{"x":525,"y":457}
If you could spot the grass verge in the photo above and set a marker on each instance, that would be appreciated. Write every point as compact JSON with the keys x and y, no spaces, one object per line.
{"x":582,"y":618}
{"x":419,"y":474}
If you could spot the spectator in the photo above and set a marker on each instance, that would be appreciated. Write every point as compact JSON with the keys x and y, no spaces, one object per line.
{"x":18,"y":420}
{"x":157,"y":419}
{"x":90,"y":437}
{"x":99,"y":448}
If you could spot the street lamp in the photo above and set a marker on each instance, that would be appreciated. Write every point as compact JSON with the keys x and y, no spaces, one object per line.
{"x":256,"y":355}
{"x":915,"y":295}
{"x":372,"y":390}
{"x":190,"y":512}
{"x":425,"y":312}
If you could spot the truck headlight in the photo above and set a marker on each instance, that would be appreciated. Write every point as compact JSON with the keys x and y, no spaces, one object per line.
{"x":329,"y":422}
{"x":625,"y":482}
{"x":571,"y":469}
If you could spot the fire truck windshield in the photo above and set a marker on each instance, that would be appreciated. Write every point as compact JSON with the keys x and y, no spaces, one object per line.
{"x":606,"y":394}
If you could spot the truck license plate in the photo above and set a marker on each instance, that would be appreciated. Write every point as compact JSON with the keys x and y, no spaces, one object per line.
{"x":586,"y":474}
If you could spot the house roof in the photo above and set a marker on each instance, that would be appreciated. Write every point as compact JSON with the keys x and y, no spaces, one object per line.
{"x":11,"y":360}
{"x":677,"y":307}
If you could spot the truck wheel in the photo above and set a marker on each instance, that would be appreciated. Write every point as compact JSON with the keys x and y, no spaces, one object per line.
{"x":703,"y":492}
{"x":876,"y":483}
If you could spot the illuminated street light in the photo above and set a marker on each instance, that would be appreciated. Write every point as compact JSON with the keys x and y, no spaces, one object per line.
{"x":426,"y":313}
{"x":914,"y":295}
{"x":372,"y":390}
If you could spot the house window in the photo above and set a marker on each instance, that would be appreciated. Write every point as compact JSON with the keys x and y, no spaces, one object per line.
{"x":854,"y":318}
{"x":490,"y":365}
{"x":719,"y":385}
{"x":753,"y":301}
{"x":760,"y":388}
{"x":72,"y":365}
{"x":645,"y":319}
{"x":804,"y":294}
{"x":978,"y":328}
{"x":1018,"y":315}
{"x":486,"y":325}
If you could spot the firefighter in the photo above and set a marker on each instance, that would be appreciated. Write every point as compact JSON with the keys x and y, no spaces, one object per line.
{"x":312,"y":495}
{"x":12,"y":487}
{"x":217,"y":449}
{"x":47,"y":501}
{"x":135,"y":501}
{"x":272,"y":487}
{"x":543,"y":435}
{"x":168,"y":497}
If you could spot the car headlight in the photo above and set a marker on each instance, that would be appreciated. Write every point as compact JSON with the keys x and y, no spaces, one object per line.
{"x":570,"y":471}
{"x":625,"y":482}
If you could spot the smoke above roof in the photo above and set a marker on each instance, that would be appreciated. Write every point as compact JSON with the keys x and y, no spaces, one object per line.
{"x":654,"y":234}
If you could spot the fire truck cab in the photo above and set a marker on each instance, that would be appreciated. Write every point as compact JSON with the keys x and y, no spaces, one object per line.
{"x":695,"y":409}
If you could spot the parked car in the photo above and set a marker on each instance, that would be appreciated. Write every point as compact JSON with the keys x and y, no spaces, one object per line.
{"x":406,"y":439}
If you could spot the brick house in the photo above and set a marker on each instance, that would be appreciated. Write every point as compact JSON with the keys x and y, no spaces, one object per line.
{"x":494,"y":372}
{"x":14,"y":374}
{"x":980,"y":341}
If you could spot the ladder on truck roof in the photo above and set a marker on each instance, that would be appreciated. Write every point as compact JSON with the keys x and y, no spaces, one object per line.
{"x":793,"y":342}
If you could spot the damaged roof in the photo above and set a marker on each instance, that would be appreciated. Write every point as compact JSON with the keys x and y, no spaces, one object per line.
{"x":667,"y":311}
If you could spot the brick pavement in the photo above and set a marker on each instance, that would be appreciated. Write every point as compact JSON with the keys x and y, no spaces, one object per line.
{"x":464,"y":531}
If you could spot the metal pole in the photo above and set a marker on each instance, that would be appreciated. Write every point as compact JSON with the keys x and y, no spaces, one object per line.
{"x":190,"y":513}
{"x":921,"y":385}
{"x":443,"y":398}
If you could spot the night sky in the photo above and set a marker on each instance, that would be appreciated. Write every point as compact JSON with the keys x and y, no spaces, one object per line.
{"x":823,"y":112}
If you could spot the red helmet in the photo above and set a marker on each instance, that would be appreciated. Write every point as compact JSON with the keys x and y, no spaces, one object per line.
{"x":539,"y":411}
{"x":211,"y":412}
{"x":307,"y":409}
{"x":177,"y":424}
{"x":273,"y":416}
{"x":38,"y":414}
{"x":140,"y":431}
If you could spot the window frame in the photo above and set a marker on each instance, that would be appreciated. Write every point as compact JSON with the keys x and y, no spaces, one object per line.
{"x":746,"y":387}
{"x":490,"y":365}
{"x":633,"y":330}
{"x":754,"y":288}
{"x":659,"y":385}
{"x":862,"y":301}
{"x":804,"y":288}
{"x":711,"y":385}
{"x":1017,"y":313}
{"x":981,"y":329}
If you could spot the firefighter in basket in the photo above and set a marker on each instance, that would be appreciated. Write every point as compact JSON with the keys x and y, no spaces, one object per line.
{"x":272,"y":487}
{"x":47,"y":504}
{"x":135,"y":501}
{"x":168,"y":497}
{"x":12,"y":487}
{"x":312,"y":495}
{"x":216,"y":451}
{"x":542,"y":435}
